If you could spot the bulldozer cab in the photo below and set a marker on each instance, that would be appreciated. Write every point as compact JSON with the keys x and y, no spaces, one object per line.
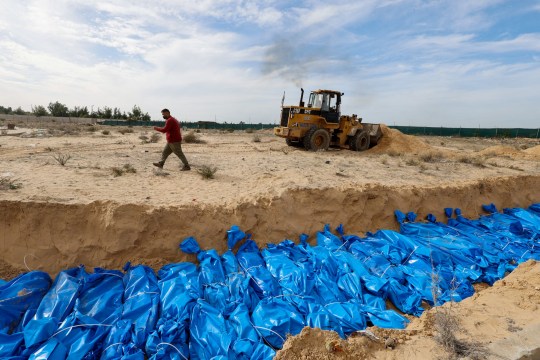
{"x":326,"y":103}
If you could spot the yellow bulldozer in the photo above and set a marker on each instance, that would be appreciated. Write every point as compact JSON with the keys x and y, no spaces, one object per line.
{"x":320,"y":125}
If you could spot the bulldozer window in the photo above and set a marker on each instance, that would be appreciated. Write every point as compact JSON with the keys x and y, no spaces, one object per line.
{"x":333,"y":103}
{"x":325,"y":103}
{"x":316,"y":100}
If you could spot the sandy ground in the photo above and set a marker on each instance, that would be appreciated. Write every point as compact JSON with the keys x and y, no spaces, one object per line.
{"x":245,"y":169}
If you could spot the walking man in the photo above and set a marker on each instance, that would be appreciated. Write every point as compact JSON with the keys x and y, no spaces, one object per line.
{"x":174,"y":140}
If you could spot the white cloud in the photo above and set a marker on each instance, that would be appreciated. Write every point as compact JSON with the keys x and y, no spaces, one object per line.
{"x":205,"y":58}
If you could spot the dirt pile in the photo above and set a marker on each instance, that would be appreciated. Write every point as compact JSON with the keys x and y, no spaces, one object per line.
{"x":395,"y":142}
{"x":504,"y":319}
{"x":500,"y":150}
{"x":535,"y":150}
{"x":327,"y":345}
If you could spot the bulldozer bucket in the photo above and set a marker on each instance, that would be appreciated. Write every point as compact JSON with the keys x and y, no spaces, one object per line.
{"x":375,"y":133}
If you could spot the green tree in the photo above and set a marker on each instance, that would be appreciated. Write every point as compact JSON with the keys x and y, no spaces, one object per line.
{"x":116,"y":113}
{"x":39,"y":110}
{"x":135,"y":114}
{"x":78,"y":111}
{"x":19,"y":111}
{"x":107,"y":113}
{"x":58,"y":109}
{"x":6,"y":110}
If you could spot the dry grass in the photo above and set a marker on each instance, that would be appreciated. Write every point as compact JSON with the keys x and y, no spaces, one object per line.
{"x":105,"y":132}
{"x":447,"y":326}
{"x":125,"y":131}
{"x":192,"y":138}
{"x":249,"y":131}
{"x":62,"y":159}
{"x":154,"y":138}
{"x":394,"y":153}
{"x":412,"y":162}
{"x":207,"y":172}
{"x":476,"y":161}
{"x":9,"y":184}
{"x":432,"y":157}
{"x":256,"y":138}
{"x":126,"y":169}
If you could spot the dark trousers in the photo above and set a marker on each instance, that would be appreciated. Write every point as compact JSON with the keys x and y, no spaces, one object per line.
{"x":175,"y":148}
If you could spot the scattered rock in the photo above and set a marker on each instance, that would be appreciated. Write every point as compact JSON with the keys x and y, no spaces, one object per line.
{"x":390,"y":343}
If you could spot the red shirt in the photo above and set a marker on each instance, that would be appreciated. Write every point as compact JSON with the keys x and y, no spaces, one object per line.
{"x":172,"y":129}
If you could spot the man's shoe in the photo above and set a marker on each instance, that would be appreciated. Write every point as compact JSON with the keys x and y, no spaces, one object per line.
{"x":159,"y":165}
{"x":185,"y":168}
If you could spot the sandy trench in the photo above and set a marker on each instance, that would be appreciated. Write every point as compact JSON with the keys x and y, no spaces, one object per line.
{"x":80,"y":213}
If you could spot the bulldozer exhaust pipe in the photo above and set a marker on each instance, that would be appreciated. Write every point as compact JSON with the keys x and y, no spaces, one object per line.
{"x":301,"y":97}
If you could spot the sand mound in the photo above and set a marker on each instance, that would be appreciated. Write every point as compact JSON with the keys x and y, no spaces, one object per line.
{"x":500,"y":150}
{"x":533,"y":151}
{"x":504,"y":318}
{"x":319,"y":344}
{"x":395,"y":142}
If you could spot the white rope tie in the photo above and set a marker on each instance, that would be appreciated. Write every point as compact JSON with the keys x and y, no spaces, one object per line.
{"x":174,"y":347}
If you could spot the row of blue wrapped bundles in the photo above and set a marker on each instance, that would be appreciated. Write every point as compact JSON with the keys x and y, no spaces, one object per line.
{"x":243,"y":305}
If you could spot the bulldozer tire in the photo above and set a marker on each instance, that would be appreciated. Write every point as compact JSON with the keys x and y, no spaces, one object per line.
{"x":360,"y":141}
{"x":317,"y":139}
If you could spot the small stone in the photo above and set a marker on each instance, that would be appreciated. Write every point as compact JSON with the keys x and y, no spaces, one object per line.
{"x":390,"y":343}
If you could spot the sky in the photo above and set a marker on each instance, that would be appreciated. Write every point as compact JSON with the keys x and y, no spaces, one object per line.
{"x":468,"y":63}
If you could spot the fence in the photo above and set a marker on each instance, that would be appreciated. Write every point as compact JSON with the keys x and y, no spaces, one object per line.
{"x":190,"y":125}
{"x":410,"y":130}
{"x":44,"y":119}
{"x":470,"y":132}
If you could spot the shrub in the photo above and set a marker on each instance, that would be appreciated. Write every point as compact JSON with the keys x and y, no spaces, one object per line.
{"x":476,"y":161}
{"x":127,"y":168}
{"x":447,"y":326}
{"x":192,"y":138}
{"x":256,"y":138}
{"x":155,"y":138}
{"x":144,"y":139}
{"x":105,"y":132}
{"x":125,"y":131}
{"x":11,"y":126}
{"x":412,"y":162}
{"x":9,"y":184}
{"x":432,"y":157}
{"x":116,"y":171}
{"x":207,"y":172}
{"x":62,"y":159}
{"x":249,"y":130}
